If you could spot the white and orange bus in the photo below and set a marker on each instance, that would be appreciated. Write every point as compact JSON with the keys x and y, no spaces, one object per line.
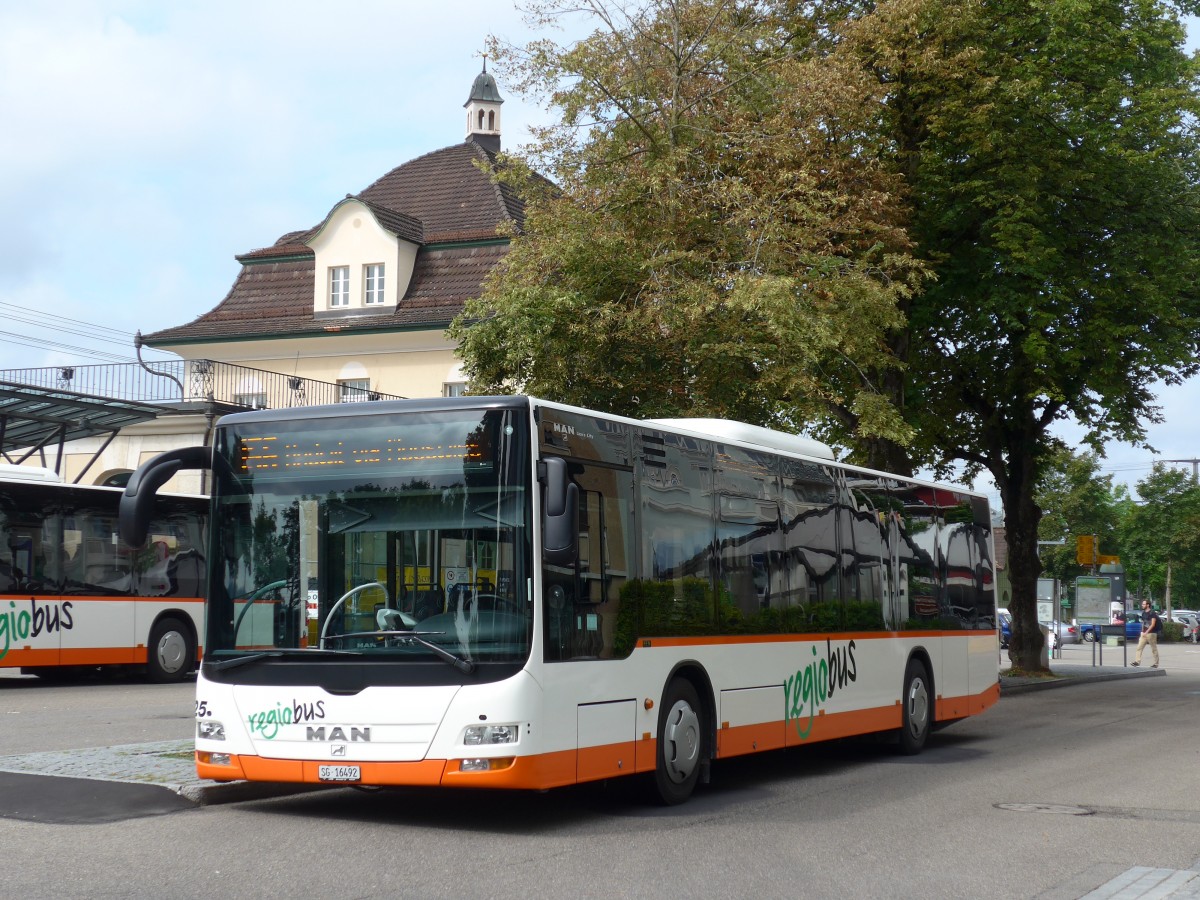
{"x":74,"y":597}
{"x":510,"y":593}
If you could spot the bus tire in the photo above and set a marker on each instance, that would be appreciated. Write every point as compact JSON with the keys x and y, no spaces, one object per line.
{"x":680,"y":742}
{"x":170,"y":653}
{"x":917,"y":710}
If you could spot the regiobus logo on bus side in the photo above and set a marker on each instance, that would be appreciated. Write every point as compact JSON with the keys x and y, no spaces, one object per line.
{"x":816,"y":682}
{"x":19,"y":624}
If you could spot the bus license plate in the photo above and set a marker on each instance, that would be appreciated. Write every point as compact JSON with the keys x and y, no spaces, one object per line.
{"x":339,"y":773}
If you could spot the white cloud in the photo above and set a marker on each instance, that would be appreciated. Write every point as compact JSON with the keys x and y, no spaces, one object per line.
{"x":147,"y":143}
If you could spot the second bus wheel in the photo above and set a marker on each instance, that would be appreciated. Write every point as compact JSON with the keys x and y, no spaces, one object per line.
{"x":680,"y":742}
{"x":170,"y":653}
{"x":917,"y":715}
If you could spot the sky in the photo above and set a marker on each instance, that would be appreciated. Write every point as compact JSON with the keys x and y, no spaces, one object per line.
{"x":146,"y":143}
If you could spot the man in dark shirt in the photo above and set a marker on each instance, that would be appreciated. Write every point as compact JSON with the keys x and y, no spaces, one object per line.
{"x":1151,"y":626}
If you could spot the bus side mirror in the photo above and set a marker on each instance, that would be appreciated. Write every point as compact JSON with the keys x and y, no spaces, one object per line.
{"x":560,"y":513}
{"x":137,"y":503}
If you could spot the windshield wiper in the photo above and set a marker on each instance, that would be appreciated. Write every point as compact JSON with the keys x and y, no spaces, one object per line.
{"x":273,"y":654}
{"x":463,"y":665}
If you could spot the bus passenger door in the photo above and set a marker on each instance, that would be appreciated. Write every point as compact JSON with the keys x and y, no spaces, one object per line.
{"x":29,"y":583}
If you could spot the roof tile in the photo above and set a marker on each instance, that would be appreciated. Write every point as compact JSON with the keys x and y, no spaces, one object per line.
{"x":441,"y":199}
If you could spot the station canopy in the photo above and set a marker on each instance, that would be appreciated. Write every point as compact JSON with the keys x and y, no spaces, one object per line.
{"x":33,"y":418}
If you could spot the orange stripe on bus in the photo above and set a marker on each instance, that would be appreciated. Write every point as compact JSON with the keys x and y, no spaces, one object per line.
{"x":952,"y":708}
{"x":74,"y":656}
{"x":77,"y":656}
{"x":565,"y":767}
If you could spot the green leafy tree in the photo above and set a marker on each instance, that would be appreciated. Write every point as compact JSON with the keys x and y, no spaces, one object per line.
{"x":1075,"y":499}
{"x":1162,"y":534}
{"x":936,"y":229}
{"x":715,"y":241}
{"x":1050,"y":152}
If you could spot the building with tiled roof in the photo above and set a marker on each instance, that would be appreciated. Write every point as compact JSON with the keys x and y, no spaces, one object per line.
{"x":352,"y":307}
{"x":363,"y":298}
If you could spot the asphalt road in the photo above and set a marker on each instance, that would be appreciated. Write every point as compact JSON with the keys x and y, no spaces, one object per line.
{"x":37,"y":715}
{"x":1049,"y":794}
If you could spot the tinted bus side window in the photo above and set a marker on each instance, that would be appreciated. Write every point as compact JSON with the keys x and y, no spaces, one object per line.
{"x":809,"y":511}
{"x":870,"y":539}
{"x":674,"y":594}
{"x":583,"y":608}
{"x":28,"y":555}
{"x":94,"y":560}
{"x":584,"y":605}
{"x":751,"y":576}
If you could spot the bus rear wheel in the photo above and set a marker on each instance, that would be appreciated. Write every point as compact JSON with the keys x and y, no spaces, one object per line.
{"x":680,"y":743}
{"x":917,"y":709}
{"x":170,"y":652}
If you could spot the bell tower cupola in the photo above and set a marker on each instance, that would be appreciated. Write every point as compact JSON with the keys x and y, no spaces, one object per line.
{"x":483,"y":111}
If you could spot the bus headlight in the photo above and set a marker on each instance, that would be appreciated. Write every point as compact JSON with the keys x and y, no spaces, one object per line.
{"x":491,"y":734}
{"x":492,"y":764}
{"x":210,"y":730}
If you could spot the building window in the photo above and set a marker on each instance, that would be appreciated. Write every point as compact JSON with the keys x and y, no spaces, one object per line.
{"x":454,"y":389}
{"x":254,"y":400}
{"x":373,"y":284}
{"x":339,"y":286}
{"x":491,"y":120}
{"x":354,"y":390}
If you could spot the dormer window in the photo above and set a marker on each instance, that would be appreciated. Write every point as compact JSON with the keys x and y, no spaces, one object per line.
{"x":339,"y":286}
{"x":373,"y":284}
{"x":367,"y":264}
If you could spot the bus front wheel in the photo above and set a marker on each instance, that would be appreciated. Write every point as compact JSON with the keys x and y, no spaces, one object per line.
{"x":169,"y":653}
{"x":680,"y":742}
{"x":917,"y":709}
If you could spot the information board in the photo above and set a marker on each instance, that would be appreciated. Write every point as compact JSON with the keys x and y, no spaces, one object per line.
{"x":1093,"y":598}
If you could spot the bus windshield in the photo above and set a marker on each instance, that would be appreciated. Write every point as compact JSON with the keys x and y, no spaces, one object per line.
{"x":394,"y":538}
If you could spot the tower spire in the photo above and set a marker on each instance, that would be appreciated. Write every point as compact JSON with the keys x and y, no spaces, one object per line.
{"x":483,"y":111}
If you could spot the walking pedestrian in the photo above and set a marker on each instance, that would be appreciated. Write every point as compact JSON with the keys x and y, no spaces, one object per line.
{"x":1151,"y":626}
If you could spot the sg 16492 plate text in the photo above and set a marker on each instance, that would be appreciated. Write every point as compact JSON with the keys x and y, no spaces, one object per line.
{"x":339,"y":773}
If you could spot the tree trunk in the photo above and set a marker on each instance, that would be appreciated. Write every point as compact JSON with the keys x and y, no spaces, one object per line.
{"x":1021,"y":518}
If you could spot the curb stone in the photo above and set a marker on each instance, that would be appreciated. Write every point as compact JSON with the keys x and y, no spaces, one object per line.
{"x":1067,"y":677}
{"x":166,"y":764}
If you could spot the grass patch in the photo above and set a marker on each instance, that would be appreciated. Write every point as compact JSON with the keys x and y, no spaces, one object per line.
{"x":185,"y":755}
{"x":1015,"y":672}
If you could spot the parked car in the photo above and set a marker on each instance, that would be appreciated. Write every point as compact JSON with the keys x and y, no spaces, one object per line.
{"x":1191,"y":626}
{"x":1183,"y":616}
{"x":1067,"y":633}
{"x":1133,"y":627}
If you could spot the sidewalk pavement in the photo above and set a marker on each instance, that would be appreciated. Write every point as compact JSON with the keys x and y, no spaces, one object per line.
{"x":1089,"y":663}
{"x":170,"y":764}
